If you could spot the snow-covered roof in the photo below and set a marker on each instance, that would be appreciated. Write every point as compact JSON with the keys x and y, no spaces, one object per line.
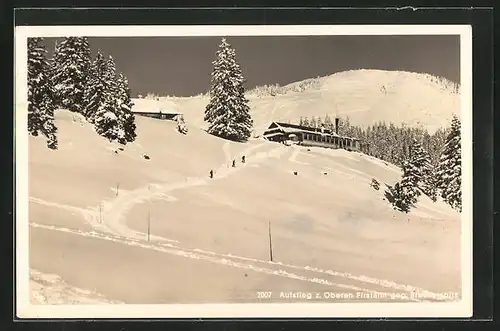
{"x":154,"y":106}
{"x":292,"y":128}
{"x":272,"y":134}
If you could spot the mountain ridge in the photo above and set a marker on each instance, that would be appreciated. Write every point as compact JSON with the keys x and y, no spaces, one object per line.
{"x":366,"y":96}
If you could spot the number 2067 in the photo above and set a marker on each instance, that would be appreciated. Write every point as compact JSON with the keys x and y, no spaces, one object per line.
{"x":264,"y":295}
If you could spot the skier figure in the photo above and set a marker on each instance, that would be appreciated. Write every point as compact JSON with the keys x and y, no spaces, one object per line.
{"x":234,"y":163}
{"x":243,"y":159}
{"x":211,"y":174}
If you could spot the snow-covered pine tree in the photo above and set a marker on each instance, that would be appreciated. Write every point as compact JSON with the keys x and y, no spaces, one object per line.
{"x":306,"y":122}
{"x":301,"y":121}
{"x":41,"y":103}
{"x":328,"y":123}
{"x":72,"y":61}
{"x":319,"y":122}
{"x":449,"y":174}
{"x":430,"y":185}
{"x":405,"y":192}
{"x":110,"y":75}
{"x":420,"y":161}
{"x":313,"y":122}
{"x":348,"y":128}
{"x":126,"y":104}
{"x":227,"y":112}
{"x":181,"y":125}
{"x":436,"y":146}
{"x":342,"y":127}
{"x":109,"y":117}
{"x":98,"y":89}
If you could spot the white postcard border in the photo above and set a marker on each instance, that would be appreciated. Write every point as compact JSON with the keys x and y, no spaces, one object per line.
{"x":304,"y":310}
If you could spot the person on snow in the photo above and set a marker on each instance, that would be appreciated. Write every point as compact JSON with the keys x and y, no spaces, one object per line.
{"x":234,"y":163}
{"x":211,"y":174}
{"x":243,"y":159}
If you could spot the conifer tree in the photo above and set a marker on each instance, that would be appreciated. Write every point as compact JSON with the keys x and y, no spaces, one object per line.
{"x":436,"y":145}
{"x":98,"y":89}
{"x":449,"y":174}
{"x":110,"y":75}
{"x":41,"y":103}
{"x":107,"y":121}
{"x":430,"y":185}
{"x":306,"y":122}
{"x":313,"y":122}
{"x":319,"y":122}
{"x":110,"y":117}
{"x":420,"y":161}
{"x":72,"y":60}
{"x":404,"y":193}
{"x":228,"y":113}
{"x":328,"y":123}
{"x":126,"y":104}
{"x":342,"y":127}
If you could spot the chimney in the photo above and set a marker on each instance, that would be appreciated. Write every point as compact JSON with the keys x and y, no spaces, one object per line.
{"x":336,"y":125}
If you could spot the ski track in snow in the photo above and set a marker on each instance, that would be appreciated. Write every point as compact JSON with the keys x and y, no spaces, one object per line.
{"x":71,"y":209}
{"x":231,"y":260}
{"x":107,"y":218}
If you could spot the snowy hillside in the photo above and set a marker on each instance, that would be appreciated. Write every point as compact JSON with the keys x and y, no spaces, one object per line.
{"x":366,"y":96}
{"x":92,"y":205}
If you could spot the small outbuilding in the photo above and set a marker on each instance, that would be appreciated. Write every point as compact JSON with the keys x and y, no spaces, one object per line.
{"x":159,"y":109}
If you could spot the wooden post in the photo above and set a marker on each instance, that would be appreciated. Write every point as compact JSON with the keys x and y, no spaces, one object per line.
{"x":100,"y":212}
{"x":270,"y":244}
{"x":117,"y":187}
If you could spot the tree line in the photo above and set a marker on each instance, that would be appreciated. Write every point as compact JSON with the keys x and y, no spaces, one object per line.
{"x":420,"y":176}
{"x":74,"y":80}
{"x":431,"y":163}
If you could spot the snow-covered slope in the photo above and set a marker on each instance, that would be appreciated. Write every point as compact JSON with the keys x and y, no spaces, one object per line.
{"x":366,"y":96}
{"x":92,"y":204}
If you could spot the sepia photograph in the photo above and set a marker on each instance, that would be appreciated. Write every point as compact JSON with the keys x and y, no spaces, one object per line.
{"x":243,"y":171}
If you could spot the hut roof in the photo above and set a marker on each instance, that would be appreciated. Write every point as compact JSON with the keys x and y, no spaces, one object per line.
{"x":154,"y":106}
{"x":287,"y":127}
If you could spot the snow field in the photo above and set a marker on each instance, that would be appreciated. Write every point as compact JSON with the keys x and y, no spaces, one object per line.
{"x":333,"y":222}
